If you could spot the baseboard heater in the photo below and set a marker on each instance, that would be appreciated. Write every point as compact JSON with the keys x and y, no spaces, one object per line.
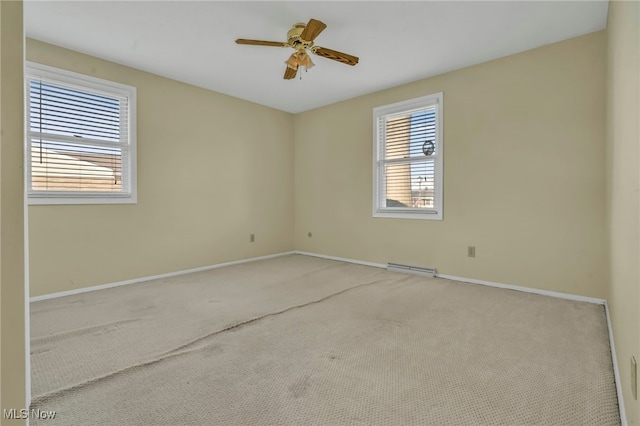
{"x":408,"y":269}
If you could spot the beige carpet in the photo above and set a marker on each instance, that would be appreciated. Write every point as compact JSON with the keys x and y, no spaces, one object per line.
{"x":299,"y":340}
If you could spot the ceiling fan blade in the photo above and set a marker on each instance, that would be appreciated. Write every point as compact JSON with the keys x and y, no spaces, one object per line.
{"x":312,"y":30}
{"x":262,"y":42}
{"x":289,"y":73}
{"x":345,"y":58}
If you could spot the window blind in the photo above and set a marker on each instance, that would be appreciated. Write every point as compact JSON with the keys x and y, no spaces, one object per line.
{"x":408,"y":160}
{"x":78,"y":140}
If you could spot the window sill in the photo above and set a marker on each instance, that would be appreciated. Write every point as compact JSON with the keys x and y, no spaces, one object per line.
{"x":35,"y":200}
{"x":408,"y":215}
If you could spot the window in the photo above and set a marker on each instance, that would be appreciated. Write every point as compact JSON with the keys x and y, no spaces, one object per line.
{"x":81,"y":138}
{"x":407,"y":177}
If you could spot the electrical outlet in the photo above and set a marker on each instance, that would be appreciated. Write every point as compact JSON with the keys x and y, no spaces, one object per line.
{"x":471,"y":251}
{"x":252,"y":238}
{"x":310,"y":234}
{"x":634,"y":377}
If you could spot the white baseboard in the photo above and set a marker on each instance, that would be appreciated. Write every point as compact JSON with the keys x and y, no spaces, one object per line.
{"x":153,"y":277}
{"x":550,"y":293}
{"x":471,"y":280}
{"x":616,"y":371}
{"x":342,"y":259}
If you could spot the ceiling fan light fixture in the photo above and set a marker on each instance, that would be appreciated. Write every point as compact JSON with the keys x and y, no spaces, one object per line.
{"x":305,"y":60}
{"x":292,"y":62}
{"x":300,"y":58}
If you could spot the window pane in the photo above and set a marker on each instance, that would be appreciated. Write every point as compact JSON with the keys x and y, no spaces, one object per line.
{"x":407,"y":134}
{"x":60,"y":166}
{"x":398,"y":134}
{"x":423,"y":129}
{"x":423,"y":184}
{"x":60,"y":110}
{"x":410,"y":185}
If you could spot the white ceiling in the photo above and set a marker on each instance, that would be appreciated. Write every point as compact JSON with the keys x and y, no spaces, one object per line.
{"x":397,"y":42}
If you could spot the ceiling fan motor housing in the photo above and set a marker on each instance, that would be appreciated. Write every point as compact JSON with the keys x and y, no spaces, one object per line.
{"x":293,"y":37}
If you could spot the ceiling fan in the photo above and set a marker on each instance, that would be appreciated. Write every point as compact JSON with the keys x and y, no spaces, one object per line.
{"x":301,"y":38}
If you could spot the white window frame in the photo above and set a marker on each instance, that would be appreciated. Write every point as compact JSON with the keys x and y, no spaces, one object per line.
{"x":81,"y":81}
{"x":379,"y":144}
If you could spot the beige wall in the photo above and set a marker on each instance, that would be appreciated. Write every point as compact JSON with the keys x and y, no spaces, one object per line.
{"x":12,"y":286}
{"x":523,"y":174}
{"x":212,"y":169}
{"x":623,"y":186}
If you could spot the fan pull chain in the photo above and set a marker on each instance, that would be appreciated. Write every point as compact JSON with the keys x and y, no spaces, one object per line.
{"x":305,"y":70}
